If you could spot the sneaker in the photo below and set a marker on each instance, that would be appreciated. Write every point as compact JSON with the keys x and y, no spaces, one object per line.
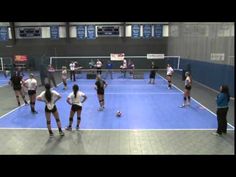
{"x":216,"y":134}
{"x":34,"y":112}
{"x":182,"y":106}
{"x":100,"y":109}
{"x":62,"y":133}
{"x":77,"y":127}
{"x":68,"y":128}
{"x":26,"y":102}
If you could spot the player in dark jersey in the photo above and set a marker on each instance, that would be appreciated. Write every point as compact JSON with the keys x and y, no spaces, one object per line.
{"x":152,"y":75}
{"x":16,"y":82}
{"x":100,"y":86}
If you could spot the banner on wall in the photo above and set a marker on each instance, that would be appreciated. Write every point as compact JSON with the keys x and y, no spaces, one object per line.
{"x":155,"y":56}
{"x":91,"y":32}
{"x":217,"y":56}
{"x":158,"y":30}
{"x":135,"y":31}
{"x":117,"y":56}
{"x":54,"y":31}
{"x":21,"y":58}
{"x":80,"y":31}
{"x":3,"y":33}
{"x":147,"y":31}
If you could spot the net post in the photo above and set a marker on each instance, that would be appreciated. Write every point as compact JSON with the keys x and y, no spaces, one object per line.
{"x":1,"y":63}
{"x":50,"y":60}
{"x":178,"y":62}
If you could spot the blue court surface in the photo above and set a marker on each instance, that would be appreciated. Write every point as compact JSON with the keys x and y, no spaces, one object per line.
{"x":143,"y":106}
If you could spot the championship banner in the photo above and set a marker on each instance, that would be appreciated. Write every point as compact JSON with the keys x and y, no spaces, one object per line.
{"x":147,"y":31}
{"x":155,"y":56}
{"x":54,"y":31}
{"x":91,"y":32}
{"x":20,"y":58}
{"x":3,"y":33}
{"x":135,"y":31}
{"x":80,"y":31}
{"x":158,"y":31}
{"x":117,"y":57}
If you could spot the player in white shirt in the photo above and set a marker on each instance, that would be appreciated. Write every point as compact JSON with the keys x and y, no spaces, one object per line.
{"x":31,"y":85}
{"x":169,"y":75}
{"x":99,"y":67}
{"x":75,"y":99}
{"x":188,"y":86}
{"x":64,"y":77}
{"x":50,"y":97}
{"x":123,"y":67}
{"x":72,"y":71}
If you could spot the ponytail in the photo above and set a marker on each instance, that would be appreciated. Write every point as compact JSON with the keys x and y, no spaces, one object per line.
{"x":48,"y":94}
{"x":75,"y":89}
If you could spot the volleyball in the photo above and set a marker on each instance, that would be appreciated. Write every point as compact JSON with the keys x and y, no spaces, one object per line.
{"x":118,"y":114}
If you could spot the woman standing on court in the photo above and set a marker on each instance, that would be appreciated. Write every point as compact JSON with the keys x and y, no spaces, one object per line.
{"x":74,"y":99}
{"x":50,"y":97}
{"x":99,"y":67}
{"x":188,"y":86}
{"x":169,"y":74}
{"x":16,"y":82}
{"x":64,"y":77}
{"x":100,"y":86}
{"x":222,"y":101}
{"x":152,"y":75}
{"x":51,"y":77}
{"x":31,"y":85}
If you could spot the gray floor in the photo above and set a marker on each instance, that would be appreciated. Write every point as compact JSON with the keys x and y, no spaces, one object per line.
{"x":15,"y":141}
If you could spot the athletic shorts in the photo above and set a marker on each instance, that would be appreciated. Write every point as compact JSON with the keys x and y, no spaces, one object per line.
{"x":76,"y":108}
{"x":17,"y":88}
{"x":188,"y":87}
{"x":152,"y":75}
{"x":54,"y":109}
{"x":100,"y":92}
{"x":31,"y":92}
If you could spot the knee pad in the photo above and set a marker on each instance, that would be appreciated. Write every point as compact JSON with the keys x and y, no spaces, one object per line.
{"x":17,"y":96}
{"x":71,"y":119}
{"x":48,"y":122}
{"x":100,"y":101}
{"x":78,"y":118}
{"x":189,"y":97}
{"x":185,"y":98}
{"x":57,"y":120}
{"x":169,"y":81}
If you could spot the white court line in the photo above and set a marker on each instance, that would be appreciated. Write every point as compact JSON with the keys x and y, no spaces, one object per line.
{"x":199,"y":103}
{"x":2,"y":128}
{"x":4,"y":115}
